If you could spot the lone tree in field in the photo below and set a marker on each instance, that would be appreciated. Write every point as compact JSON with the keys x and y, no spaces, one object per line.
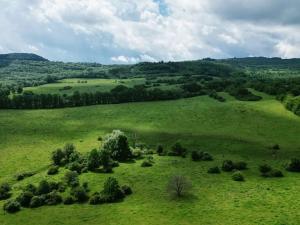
{"x":117,"y":145}
{"x":179,"y":185}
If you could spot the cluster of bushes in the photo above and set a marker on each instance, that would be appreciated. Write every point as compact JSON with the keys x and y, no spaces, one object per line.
{"x":22,"y":176}
{"x":229,"y":166}
{"x":291,"y":103}
{"x":215,"y":95}
{"x":115,"y":148}
{"x":268,"y":171}
{"x":112,"y":192}
{"x":46,"y":193}
{"x":243,"y":94}
{"x":201,"y":156}
{"x":5,"y":191}
{"x":177,"y":150}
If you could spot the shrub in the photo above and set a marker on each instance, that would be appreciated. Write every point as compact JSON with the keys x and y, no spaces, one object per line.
{"x":293,"y":165}
{"x":205,"y":156}
{"x":264,"y":169}
{"x":36,"y":201}
{"x":276,"y":173}
{"x":146,"y":163}
{"x":24,"y":198}
{"x":96,"y":199}
{"x":79,"y":194}
{"x":227,"y":166}
{"x":177,"y":150}
{"x":137,"y":153}
{"x":52,"y":170}
{"x":75,"y":166}
{"x":195,"y":156}
{"x":4,"y":191}
{"x":22,"y":176}
{"x":240,"y":165}
{"x":111,"y":190}
{"x":31,"y":188}
{"x":43,"y":188}
{"x":237,"y":176}
{"x":214,"y":170}
{"x":53,"y":198}
{"x":93,"y":160}
{"x":12,"y":206}
{"x":160,"y":150}
{"x":57,"y":157}
{"x":71,"y":178}
{"x":126,"y":190}
{"x":69,"y":200}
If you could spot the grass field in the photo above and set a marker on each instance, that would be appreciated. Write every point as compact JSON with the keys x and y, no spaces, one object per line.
{"x":231,"y":130}
{"x":91,"y":85}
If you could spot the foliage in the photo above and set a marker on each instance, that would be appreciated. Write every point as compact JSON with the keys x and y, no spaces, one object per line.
{"x":12,"y":206}
{"x":111,"y":190}
{"x":5,"y":191}
{"x":71,"y":178}
{"x":227,"y":166}
{"x":117,"y":145}
{"x":294,"y":165}
{"x":214,"y":170}
{"x":25,"y":198}
{"x":53,"y":170}
{"x":201,"y":156}
{"x":238,"y":176}
{"x":177,"y":150}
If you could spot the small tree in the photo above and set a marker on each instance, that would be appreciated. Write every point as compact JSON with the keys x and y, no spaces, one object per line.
{"x":105,"y":160}
{"x":71,"y":178}
{"x":117,"y":145}
{"x":57,"y":157}
{"x":179,"y":185}
{"x":160,"y":150}
{"x":177,"y":150}
{"x":111,"y":190}
{"x":93,"y":160}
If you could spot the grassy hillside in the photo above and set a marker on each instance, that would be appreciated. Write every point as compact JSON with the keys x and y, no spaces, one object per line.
{"x":68,"y":86}
{"x":231,"y":130}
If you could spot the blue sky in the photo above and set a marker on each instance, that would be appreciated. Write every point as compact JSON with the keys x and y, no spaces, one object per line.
{"x":130,"y":31}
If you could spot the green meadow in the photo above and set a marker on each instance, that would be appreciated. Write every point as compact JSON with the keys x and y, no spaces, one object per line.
{"x":231,"y":130}
{"x":83,"y":85}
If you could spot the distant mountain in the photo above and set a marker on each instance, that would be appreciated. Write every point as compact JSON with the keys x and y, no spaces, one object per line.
{"x":21,"y":56}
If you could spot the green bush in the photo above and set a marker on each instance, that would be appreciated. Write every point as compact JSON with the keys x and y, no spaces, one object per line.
{"x":293,"y":165}
{"x":111,"y":190}
{"x":80,"y":194}
{"x":265,"y":169}
{"x":195,"y":156}
{"x":146,"y":163}
{"x":240,"y":165}
{"x":4,"y":191}
{"x":214,"y":170}
{"x":43,"y":188}
{"x":237,"y":176}
{"x":71,"y":178}
{"x":276,"y":173}
{"x":177,"y":150}
{"x":30,"y":188}
{"x":12,"y":206}
{"x":53,"y":198}
{"x":227,"y":166}
{"x":36,"y":201}
{"x":96,"y":199}
{"x":22,"y":176}
{"x":53,"y":170}
{"x":24,"y":198}
{"x":160,"y":150}
{"x":126,"y":190}
{"x":69,"y":200}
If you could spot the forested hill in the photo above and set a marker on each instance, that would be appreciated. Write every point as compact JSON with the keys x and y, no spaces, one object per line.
{"x":264,"y":62}
{"x":21,"y":56}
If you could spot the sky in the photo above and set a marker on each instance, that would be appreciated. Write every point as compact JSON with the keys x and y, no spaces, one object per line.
{"x":131,"y":31}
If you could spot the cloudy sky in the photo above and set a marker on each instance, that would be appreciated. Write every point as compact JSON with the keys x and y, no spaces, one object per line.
{"x":129,"y":31}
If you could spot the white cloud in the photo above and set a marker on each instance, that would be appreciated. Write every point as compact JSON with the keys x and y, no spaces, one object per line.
{"x":129,"y":31}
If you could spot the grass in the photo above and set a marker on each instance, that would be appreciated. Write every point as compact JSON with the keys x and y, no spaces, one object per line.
{"x":91,"y":85}
{"x":231,"y":130}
